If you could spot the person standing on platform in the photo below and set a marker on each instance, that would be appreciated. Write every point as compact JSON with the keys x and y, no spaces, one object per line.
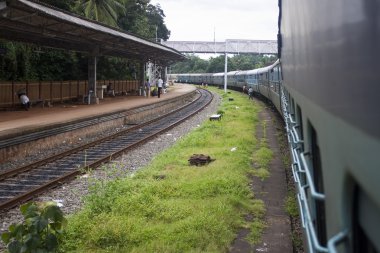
{"x":159,"y":85}
{"x":147,"y":88}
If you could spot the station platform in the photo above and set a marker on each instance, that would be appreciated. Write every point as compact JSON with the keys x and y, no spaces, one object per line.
{"x":13,"y":122}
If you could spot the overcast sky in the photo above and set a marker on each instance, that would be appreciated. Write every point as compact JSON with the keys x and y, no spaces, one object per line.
{"x":195,"y":20}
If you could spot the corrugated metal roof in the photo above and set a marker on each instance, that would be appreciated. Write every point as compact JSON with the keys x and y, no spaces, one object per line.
{"x":34,"y":22}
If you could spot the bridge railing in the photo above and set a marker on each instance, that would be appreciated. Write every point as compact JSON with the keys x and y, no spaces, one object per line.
{"x":229,"y":46}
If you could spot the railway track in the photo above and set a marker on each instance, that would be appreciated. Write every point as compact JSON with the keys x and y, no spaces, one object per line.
{"x":21,"y":184}
{"x":63,"y":128}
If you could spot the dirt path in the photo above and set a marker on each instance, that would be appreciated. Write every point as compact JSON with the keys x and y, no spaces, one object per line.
{"x":273,"y":191}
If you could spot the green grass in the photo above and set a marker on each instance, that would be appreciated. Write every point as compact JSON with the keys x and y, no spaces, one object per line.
{"x":262,"y":156}
{"x":170,"y":206}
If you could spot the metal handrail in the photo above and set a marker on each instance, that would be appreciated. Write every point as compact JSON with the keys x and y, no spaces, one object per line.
{"x":301,"y":209}
{"x":296,"y":158}
{"x":314,"y":193}
{"x":295,"y":173}
{"x":291,"y":119}
{"x":313,"y":234}
{"x":295,"y":136}
{"x":333,"y":242}
{"x":300,"y":165}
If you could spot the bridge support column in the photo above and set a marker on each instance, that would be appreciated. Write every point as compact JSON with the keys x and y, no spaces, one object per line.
{"x":225,"y":71}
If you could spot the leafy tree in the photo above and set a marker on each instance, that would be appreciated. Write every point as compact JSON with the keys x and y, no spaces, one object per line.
{"x":116,"y":68}
{"x":216,"y":64}
{"x":66,"y":5}
{"x":144,"y":19}
{"x":156,"y":21}
{"x":54,"y":64}
{"x":193,"y":64}
{"x":8,"y":61}
{"x":105,"y":11}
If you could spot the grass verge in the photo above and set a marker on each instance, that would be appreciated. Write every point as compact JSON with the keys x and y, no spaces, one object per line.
{"x":170,"y":206}
{"x":291,"y":204}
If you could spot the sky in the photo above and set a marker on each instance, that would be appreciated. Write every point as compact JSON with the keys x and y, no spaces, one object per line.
{"x":196,"y":20}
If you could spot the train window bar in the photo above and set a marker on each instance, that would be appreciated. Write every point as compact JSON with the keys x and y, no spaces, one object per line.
{"x":314,"y":193}
{"x":292,"y":120}
{"x":308,"y":222}
{"x":297,"y":139}
{"x":336,"y":240}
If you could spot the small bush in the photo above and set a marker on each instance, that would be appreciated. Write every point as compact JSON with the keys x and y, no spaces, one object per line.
{"x":39,"y":232}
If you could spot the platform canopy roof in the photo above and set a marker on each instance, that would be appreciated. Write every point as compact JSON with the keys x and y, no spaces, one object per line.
{"x":33,"y":22}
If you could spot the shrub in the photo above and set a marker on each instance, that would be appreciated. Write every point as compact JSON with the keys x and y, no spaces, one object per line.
{"x":39,"y":232}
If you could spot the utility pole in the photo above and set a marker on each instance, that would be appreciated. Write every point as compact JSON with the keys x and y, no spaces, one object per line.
{"x":214,"y":42}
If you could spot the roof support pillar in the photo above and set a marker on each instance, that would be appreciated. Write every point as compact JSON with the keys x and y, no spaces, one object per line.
{"x":92,"y":60}
{"x":149,"y":69}
{"x":142,"y":78}
{"x":166,"y":75}
{"x":92,"y":78}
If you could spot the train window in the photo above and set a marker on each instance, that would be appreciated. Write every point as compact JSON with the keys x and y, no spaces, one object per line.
{"x":299,"y":122}
{"x":366,"y":222}
{"x":291,"y":106}
{"x":320,"y":216}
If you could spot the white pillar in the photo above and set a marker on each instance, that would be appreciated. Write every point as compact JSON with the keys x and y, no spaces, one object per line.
{"x":92,"y":74}
{"x":142,"y":77}
{"x":166,"y":75}
{"x":225,"y":72}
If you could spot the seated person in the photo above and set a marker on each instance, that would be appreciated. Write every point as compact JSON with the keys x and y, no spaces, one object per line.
{"x":110,"y":91}
{"x":24,"y":101}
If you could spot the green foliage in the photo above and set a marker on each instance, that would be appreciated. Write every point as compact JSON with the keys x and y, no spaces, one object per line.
{"x":171,"y":206}
{"x":66,"y":5}
{"x":262,"y":156}
{"x":104,"y":11}
{"x":144,"y":19}
{"x":39,"y":232}
{"x":156,"y":20}
{"x":291,"y":205}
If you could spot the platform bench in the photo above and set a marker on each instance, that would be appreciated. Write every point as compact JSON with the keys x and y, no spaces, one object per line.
{"x":215,"y":117}
{"x":42,"y":102}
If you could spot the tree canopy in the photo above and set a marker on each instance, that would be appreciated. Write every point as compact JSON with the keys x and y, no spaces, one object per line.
{"x":104,"y":11}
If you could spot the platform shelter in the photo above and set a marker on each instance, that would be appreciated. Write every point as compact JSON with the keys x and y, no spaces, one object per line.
{"x":37,"y":23}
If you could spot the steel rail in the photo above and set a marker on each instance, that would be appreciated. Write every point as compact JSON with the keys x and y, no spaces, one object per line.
{"x":144,"y":131}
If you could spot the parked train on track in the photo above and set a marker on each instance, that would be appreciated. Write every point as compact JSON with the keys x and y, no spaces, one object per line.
{"x":327,"y":86}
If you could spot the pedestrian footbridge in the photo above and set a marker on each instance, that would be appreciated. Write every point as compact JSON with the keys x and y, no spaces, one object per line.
{"x":228,"y":46}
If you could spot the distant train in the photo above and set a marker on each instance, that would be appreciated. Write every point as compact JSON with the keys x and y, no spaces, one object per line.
{"x":327,"y":87}
{"x":265,"y":81}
